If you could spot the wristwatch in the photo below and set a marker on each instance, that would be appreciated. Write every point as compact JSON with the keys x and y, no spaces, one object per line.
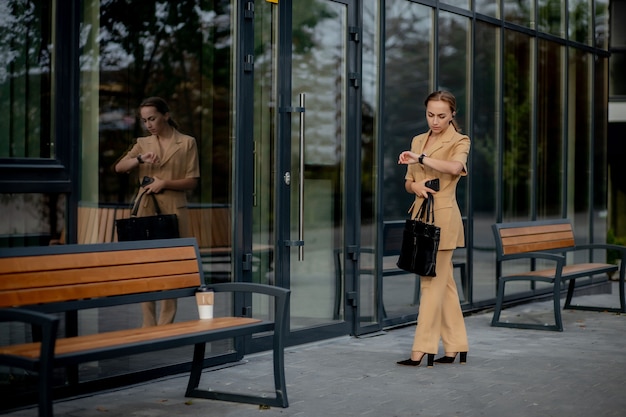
{"x":141,"y":160}
{"x":421,"y":158}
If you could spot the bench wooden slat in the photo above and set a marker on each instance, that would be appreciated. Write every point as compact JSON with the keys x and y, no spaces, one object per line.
{"x":92,"y":231}
{"x":95,"y":290}
{"x":219,"y":219}
{"x":538,"y":237}
{"x":42,"y":279}
{"x":128,"y":336}
{"x":535,"y":230}
{"x":513,"y":248}
{"x":107,"y":224}
{"x":211,"y":226}
{"x":85,"y":260}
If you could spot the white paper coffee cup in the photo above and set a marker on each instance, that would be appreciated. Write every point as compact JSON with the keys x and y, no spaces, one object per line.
{"x":205,"y":311}
{"x":204,"y":299}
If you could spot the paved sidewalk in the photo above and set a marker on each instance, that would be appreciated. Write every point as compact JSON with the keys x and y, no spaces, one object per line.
{"x":580,"y":372}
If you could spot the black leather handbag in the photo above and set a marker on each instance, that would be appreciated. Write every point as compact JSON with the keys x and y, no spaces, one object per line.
{"x":420,"y":242}
{"x":159,"y":226}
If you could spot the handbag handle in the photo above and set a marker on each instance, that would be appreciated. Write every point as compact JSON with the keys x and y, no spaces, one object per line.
{"x":136,"y":207}
{"x":427,"y":210}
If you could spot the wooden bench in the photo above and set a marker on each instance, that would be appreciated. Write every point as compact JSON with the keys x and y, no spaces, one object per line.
{"x":210,"y":224}
{"x":36,"y":283}
{"x":550,"y":240}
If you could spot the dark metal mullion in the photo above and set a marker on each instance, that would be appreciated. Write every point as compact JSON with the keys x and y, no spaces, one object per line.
{"x":352,"y":180}
{"x":500,"y":145}
{"x":243,"y":159}
{"x":534,"y":126}
{"x":469,"y":208}
{"x":592,"y":153}
{"x":534,"y":159}
{"x":380,"y":159}
{"x":435,"y":48}
{"x":282,"y":215}
{"x":67,"y":136}
{"x":243,"y":147}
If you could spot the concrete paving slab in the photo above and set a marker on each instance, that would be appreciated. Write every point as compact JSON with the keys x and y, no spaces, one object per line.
{"x":579,"y":372}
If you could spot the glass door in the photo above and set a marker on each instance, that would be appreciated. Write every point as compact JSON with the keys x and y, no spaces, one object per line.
{"x":318,"y":144}
{"x":306,"y":157}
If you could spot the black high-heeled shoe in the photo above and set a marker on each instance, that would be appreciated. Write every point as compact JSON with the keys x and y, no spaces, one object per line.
{"x":410,"y":362}
{"x":450,"y":359}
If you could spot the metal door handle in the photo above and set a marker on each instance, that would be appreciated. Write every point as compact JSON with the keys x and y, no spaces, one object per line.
{"x":301,"y":184}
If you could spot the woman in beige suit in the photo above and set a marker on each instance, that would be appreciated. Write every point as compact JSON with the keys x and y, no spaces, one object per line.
{"x":170,"y":158}
{"x":439,"y":153}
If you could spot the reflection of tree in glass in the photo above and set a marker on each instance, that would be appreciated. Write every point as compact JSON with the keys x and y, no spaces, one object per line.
{"x":408,"y":31}
{"x":165,"y":48}
{"x":579,"y":25}
{"x":179,"y":50}
{"x":25,"y":79}
{"x":516,"y":161}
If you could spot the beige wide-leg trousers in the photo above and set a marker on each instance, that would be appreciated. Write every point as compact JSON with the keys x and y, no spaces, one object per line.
{"x":166,"y":315}
{"x":168,"y":307}
{"x":440,"y":315}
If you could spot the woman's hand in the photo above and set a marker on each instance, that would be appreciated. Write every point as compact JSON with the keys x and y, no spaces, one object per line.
{"x":419,"y":188}
{"x":155,"y":186}
{"x":127,"y":164}
{"x":150,"y":158}
{"x":159,"y":185}
{"x":408,"y":157}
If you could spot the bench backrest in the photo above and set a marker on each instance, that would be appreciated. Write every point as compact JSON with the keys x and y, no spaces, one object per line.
{"x":533,"y":236}
{"x":56,"y":274}
{"x":211,"y":226}
{"x":96,"y":224}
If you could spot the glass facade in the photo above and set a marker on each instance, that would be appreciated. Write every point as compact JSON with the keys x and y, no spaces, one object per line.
{"x":26,"y":80}
{"x":532,"y":82}
{"x":181,"y":51}
{"x":617,"y":123}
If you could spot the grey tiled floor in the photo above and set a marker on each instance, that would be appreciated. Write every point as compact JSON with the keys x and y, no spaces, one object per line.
{"x":580,"y":372}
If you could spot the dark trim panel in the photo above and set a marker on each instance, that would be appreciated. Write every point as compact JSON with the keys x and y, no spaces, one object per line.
{"x":27,"y":175}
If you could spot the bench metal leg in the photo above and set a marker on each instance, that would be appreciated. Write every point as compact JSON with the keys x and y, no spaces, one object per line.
{"x":556,"y":297}
{"x":279,"y":382}
{"x":570,"y":293}
{"x":495,"y":320}
{"x":196,"y":368}
{"x":338,"y":285}
{"x":46,"y":368}
{"x":622,"y":290}
{"x":45,"y":391}
{"x":622,"y":298}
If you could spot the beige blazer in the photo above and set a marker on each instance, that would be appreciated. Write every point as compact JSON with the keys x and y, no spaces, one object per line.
{"x":179,"y":161}
{"x":451,"y":146}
